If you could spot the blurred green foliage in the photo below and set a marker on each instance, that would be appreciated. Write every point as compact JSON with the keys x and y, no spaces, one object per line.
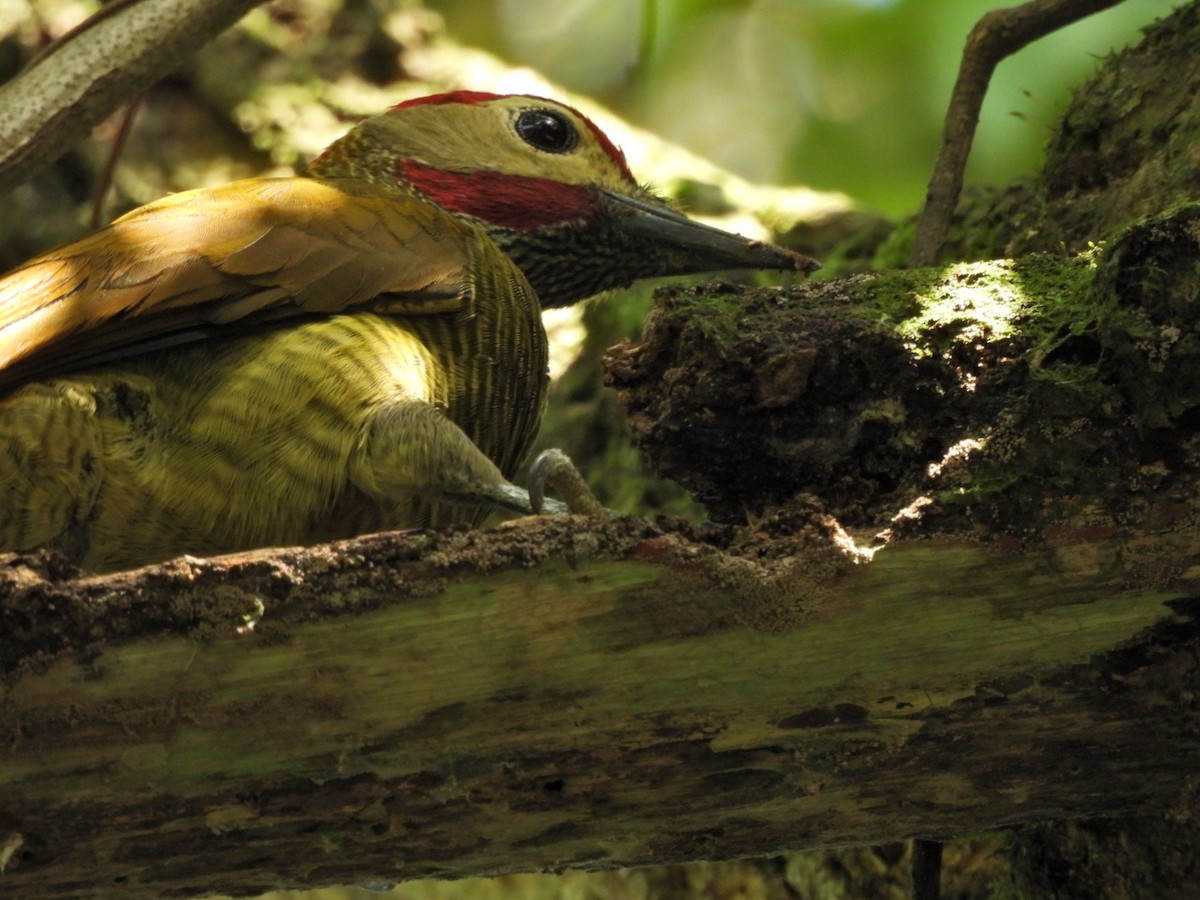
{"x":837,"y":94}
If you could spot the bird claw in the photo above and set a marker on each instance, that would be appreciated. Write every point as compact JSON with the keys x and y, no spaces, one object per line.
{"x":554,"y":469}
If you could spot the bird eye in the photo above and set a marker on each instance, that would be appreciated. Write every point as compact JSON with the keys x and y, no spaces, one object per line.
{"x":546,"y":129}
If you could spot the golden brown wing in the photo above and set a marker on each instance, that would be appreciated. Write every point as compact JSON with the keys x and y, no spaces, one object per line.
{"x":253,"y":251}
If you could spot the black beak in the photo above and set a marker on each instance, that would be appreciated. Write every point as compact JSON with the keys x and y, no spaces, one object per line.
{"x":689,"y":246}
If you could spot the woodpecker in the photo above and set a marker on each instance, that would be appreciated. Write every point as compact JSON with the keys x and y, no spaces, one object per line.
{"x":356,"y":348}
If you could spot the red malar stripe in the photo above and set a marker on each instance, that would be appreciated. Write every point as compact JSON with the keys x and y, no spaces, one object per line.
{"x":511,"y":201}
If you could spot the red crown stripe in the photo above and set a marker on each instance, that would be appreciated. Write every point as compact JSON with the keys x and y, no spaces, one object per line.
{"x":468,"y":98}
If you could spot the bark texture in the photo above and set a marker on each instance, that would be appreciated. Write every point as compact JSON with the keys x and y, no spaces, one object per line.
{"x":101,"y":65}
{"x":944,"y":642}
{"x":951,"y":584}
{"x":574,"y":693}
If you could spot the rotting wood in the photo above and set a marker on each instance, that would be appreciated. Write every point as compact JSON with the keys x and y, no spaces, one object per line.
{"x":593,"y":693}
{"x":596,"y":692}
{"x":575,"y":693}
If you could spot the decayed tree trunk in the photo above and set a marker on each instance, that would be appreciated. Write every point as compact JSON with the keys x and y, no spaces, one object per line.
{"x":951,"y":585}
{"x":584,"y":693}
{"x":602,"y":695}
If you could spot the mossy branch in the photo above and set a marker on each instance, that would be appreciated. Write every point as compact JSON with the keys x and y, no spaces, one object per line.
{"x":578,"y":692}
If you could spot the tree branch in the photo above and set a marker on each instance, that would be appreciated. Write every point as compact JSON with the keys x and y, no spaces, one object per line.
{"x":601,"y":695}
{"x":956,"y":589}
{"x":999,"y":34}
{"x":596,"y":692}
{"x":107,"y":61}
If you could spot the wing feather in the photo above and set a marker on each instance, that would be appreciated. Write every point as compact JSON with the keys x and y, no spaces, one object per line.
{"x":194,"y":264}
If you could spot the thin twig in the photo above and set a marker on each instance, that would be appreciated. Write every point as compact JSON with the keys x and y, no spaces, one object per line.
{"x":926,"y":869}
{"x":104,"y":182}
{"x":107,"y":10}
{"x":1000,"y":33}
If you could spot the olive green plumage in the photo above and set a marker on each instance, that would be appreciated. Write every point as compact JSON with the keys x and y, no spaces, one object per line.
{"x":292,"y":360}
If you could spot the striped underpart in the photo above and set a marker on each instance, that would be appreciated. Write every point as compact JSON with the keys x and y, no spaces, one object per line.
{"x":226,"y":445}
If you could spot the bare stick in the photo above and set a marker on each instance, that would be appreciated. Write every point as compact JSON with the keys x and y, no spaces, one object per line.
{"x":110,"y":165}
{"x":1000,"y":33}
{"x":926,"y":869}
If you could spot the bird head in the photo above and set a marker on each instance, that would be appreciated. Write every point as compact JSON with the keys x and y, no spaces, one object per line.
{"x":547,"y":185}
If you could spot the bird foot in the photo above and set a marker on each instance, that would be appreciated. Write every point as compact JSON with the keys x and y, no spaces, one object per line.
{"x":554,"y":469}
